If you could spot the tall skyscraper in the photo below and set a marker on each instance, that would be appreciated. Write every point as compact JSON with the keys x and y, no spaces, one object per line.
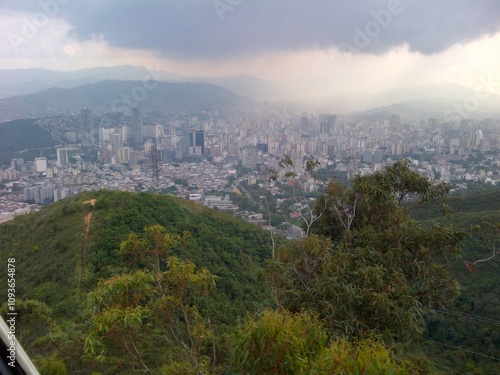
{"x":88,"y":130}
{"x":62,"y":157}
{"x":193,"y":142}
{"x":137,"y":124}
{"x":185,"y":142}
{"x":200,"y":140}
{"x":327,"y":123}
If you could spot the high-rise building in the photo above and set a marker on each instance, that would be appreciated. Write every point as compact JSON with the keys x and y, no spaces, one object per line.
{"x":124,"y":154}
{"x":378,"y":156}
{"x":40,"y":164}
{"x":185,"y":142}
{"x":310,"y":145}
{"x":327,"y":123}
{"x":17,"y":163}
{"x":368,"y":156}
{"x":62,"y":157}
{"x":88,"y":130}
{"x":432,"y":123}
{"x":137,"y":124}
{"x":200,"y":140}
{"x":477,"y":137}
{"x":193,"y":142}
{"x":264,"y":147}
{"x":159,"y":131}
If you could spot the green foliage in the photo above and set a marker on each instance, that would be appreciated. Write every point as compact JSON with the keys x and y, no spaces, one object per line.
{"x":368,"y":271}
{"x":181,"y":181}
{"x":51,"y":366}
{"x":404,"y":183}
{"x":367,"y":357}
{"x":52,"y":263}
{"x":243,"y":203}
{"x":20,"y":135}
{"x":279,"y":342}
{"x":485,"y":203}
{"x":464,"y":335}
{"x":370,"y":268}
{"x":158,"y":303}
{"x":55,"y":269}
{"x":33,"y":319}
{"x":36,"y":329}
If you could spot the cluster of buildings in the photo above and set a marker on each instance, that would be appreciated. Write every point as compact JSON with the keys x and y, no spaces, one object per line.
{"x":198,"y":155}
{"x":12,"y":204}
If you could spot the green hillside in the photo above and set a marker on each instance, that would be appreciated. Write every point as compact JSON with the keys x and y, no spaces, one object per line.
{"x":19,"y":135}
{"x":103,"y":96}
{"x":62,"y":251}
{"x":466,"y":339}
{"x":58,"y":259}
{"x":104,"y":276}
{"x":485,"y":203}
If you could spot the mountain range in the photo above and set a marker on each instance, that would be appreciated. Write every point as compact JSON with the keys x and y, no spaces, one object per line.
{"x":121,"y":96}
{"x":446,"y":101}
{"x":28,"y":81}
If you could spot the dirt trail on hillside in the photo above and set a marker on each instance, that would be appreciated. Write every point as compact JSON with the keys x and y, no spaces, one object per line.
{"x":87,"y":220}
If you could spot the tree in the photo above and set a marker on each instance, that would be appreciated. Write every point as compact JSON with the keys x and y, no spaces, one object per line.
{"x":368,"y":267}
{"x":279,"y":342}
{"x":136,"y":315}
{"x":490,"y":234}
{"x":306,"y":213}
{"x":36,"y":329}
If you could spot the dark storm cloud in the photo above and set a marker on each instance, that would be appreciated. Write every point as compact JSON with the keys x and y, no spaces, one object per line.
{"x":225,"y":28}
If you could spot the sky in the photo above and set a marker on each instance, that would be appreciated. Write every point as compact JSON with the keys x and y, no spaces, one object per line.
{"x":317,"y":48}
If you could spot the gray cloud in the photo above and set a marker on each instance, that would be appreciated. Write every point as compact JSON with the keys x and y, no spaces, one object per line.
{"x":225,"y":28}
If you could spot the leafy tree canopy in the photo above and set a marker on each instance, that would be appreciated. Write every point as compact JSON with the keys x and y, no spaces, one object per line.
{"x":368,"y":267}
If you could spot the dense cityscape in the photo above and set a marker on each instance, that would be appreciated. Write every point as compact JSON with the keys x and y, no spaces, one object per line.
{"x":200,"y":156}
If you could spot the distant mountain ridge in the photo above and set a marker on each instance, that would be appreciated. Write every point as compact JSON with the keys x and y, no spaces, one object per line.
{"x":411,"y":103}
{"x":120,"y":96}
{"x":16,"y":82}
{"x":447,"y":101}
{"x":441,"y":109}
{"x":29,"y":81}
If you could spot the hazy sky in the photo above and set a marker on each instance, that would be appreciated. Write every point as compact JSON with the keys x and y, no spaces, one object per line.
{"x":318,"y":47}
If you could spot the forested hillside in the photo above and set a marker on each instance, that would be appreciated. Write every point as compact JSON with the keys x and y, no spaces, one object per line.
{"x":126,"y":283}
{"x":466,"y":337}
{"x":63,"y":251}
{"x":19,"y":135}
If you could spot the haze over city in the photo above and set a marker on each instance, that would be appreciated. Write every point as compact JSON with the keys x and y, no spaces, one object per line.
{"x":250,"y":187}
{"x":313,"y":49}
